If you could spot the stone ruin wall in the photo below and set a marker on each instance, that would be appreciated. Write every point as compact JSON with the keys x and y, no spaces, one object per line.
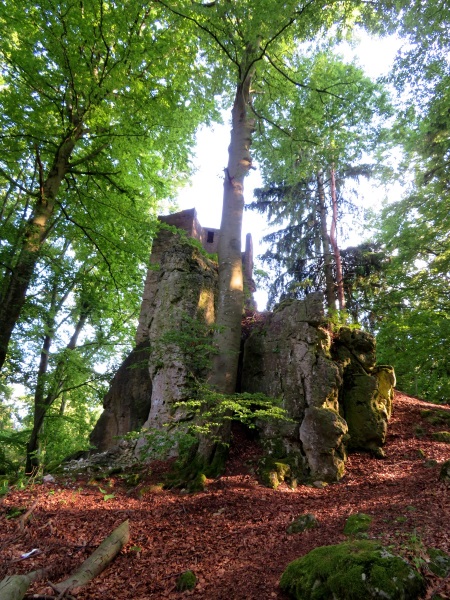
{"x":335,"y":395}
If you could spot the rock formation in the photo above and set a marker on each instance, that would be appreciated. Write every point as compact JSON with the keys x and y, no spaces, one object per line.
{"x":331,"y":388}
{"x":335,"y":396}
{"x":127,"y":403}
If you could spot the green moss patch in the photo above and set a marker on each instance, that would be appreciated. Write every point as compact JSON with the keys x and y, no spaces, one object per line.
{"x":186,"y":581}
{"x":351,"y":571}
{"x":357,"y":524}
{"x":444,"y":474}
{"x":191,"y":475}
{"x":302,"y":523}
{"x":441,"y":436}
{"x":436,"y":417}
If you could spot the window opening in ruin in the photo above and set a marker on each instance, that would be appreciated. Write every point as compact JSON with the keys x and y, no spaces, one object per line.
{"x":210,"y":238}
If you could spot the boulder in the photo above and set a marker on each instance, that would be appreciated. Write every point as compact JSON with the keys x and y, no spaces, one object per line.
{"x":323,"y":433}
{"x":368,"y":390}
{"x":127,"y":402}
{"x":333,"y":392}
{"x":351,"y":571}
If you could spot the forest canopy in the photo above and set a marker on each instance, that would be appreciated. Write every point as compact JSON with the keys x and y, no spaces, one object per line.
{"x":100,"y":105}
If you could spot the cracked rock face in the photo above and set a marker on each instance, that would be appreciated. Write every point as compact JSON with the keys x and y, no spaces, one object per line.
{"x":331,"y":389}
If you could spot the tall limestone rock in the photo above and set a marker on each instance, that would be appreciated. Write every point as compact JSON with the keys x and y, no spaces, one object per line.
{"x":180,"y":285}
{"x":329,"y":384}
{"x":335,"y":396}
{"x":127,"y":402}
{"x":289,"y":357}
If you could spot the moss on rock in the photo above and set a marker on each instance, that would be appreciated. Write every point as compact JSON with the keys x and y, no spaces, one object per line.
{"x":352,"y":571}
{"x":357,"y":523}
{"x":439,"y":562}
{"x":193,"y":472}
{"x":366,"y":414}
{"x":273,"y":472}
{"x":302,"y":523}
{"x":441,"y":436}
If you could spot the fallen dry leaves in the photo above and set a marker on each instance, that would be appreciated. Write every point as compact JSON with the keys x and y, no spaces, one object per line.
{"x":233,"y":535}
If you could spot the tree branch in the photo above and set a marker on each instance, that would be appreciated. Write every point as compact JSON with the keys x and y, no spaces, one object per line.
{"x":302,"y":85}
{"x":203,"y":28}
{"x":18,"y":185}
{"x":93,"y":242}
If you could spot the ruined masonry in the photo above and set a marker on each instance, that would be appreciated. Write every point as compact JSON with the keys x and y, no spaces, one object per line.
{"x":336,"y":396}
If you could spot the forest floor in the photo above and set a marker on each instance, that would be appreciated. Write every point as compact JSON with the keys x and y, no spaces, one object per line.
{"x":232,"y":535}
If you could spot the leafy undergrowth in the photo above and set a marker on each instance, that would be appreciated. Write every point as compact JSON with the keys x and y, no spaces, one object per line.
{"x":233,"y":536}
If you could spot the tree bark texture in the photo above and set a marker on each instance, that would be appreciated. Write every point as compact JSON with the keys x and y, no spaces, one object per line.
{"x":327,"y":256}
{"x":14,"y":587}
{"x":334,"y":244}
{"x":231,"y":292}
{"x":36,"y":231}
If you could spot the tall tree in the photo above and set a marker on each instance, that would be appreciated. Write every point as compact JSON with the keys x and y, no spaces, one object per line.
{"x":323,"y":129}
{"x":94,"y":99}
{"x":412,"y":306}
{"x":249,"y":41}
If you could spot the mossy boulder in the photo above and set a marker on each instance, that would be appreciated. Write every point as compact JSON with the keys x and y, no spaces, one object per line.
{"x":302,"y":523}
{"x":186,"y":581}
{"x":352,"y":571}
{"x":436,"y":417}
{"x":441,"y":436}
{"x":357,"y":524}
{"x":439,"y":562}
{"x":273,"y":473}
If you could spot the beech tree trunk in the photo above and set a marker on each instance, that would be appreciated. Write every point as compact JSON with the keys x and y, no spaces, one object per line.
{"x":327,"y":255}
{"x":231,"y":289}
{"x":41,"y":402}
{"x":334,"y":244}
{"x":36,"y":231}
